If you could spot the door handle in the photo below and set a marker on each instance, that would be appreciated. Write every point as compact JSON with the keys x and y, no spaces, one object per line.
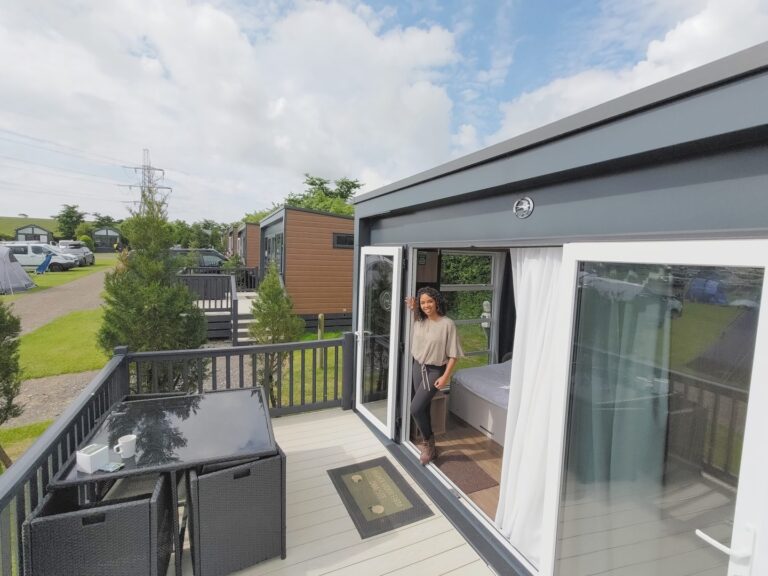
{"x":741,"y":557}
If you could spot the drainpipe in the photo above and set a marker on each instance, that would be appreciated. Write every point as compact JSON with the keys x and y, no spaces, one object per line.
{"x":348,"y":372}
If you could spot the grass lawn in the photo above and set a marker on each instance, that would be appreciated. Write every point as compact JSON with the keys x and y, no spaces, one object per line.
{"x":15,"y":441}
{"x":9,"y":224}
{"x":696,"y":330}
{"x":51,"y":279}
{"x":65,"y":346}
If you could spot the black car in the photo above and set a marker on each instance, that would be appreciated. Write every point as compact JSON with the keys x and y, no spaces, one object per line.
{"x":199,"y":257}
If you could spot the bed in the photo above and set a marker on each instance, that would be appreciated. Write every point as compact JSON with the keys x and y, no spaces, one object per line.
{"x":480,"y":396}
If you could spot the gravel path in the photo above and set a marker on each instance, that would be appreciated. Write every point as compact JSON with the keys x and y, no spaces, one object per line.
{"x":46,"y":398}
{"x":40,"y":308}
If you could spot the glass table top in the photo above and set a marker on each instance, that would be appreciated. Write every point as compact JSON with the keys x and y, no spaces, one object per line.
{"x":176,"y":432}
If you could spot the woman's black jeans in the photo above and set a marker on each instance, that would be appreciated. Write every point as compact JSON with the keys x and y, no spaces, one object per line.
{"x":423,"y":393}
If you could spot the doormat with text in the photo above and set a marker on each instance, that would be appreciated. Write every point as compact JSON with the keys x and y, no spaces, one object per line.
{"x":377,"y":497}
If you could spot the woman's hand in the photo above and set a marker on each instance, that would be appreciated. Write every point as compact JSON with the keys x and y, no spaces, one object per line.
{"x":442,"y":382}
{"x":410,"y":301}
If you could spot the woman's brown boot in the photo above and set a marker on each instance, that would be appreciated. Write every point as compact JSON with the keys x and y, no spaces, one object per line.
{"x":428,"y":451}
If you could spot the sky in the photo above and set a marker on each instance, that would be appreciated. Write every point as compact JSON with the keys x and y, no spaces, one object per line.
{"x":236,"y":101}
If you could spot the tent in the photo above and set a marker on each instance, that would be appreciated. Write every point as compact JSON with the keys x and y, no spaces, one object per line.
{"x":13,"y":278}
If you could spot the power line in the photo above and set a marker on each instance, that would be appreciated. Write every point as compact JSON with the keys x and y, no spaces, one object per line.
{"x":53,"y":172}
{"x":77,"y":152}
{"x":16,"y":187}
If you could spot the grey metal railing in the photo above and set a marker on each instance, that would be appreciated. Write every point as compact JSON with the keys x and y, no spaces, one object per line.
{"x":24,"y":484}
{"x":292,"y":373}
{"x":713,"y":426}
{"x":246,"y":278}
{"x":299,"y":376}
{"x":213,"y":292}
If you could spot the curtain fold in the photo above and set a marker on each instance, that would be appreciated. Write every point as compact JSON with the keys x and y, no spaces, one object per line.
{"x":537,"y":285}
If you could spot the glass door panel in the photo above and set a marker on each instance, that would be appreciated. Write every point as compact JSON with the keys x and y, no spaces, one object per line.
{"x":378,"y":329}
{"x":664,"y":366}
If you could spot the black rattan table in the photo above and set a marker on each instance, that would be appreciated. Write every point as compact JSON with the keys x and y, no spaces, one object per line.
{"x":176,"y":433}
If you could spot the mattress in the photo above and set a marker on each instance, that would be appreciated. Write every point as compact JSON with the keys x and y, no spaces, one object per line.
{"x":480,"y":396}
{"x":490,"y":382}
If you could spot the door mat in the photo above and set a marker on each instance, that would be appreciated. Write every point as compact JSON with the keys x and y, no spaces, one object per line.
{"x":464,"y":472}
{"x":377,"y":497}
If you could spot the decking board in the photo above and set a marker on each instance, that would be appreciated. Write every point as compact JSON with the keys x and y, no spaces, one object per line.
{"x":321,"y":536}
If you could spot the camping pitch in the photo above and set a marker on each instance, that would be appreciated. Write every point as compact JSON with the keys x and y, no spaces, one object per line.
{"x":13,"y":278}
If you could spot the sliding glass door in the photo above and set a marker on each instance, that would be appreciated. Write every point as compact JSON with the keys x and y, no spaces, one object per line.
{"x":663,"y":470}
{"x":377,"y":335}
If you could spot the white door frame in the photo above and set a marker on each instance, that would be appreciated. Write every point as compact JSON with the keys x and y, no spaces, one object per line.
{"x":396,"y":252}
{"x":752,"y":498}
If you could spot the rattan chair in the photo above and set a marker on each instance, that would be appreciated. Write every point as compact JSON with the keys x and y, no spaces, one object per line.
{"x":118,"y":536}
{"x":237,"y":515}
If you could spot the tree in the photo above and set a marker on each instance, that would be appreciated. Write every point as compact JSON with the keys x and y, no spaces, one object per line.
{"x":145,"y":307}
{"x":103,"y":221}
{"x":258,"y":215}
{"x":10,"y":373}
{"x":88,"y":241}
{"x":318,"y":195}
{"x":68,"y":218}
{"x":273,"y":323}
{"x":84,"y":229}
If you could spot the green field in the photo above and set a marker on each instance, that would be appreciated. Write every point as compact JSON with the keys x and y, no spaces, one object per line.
{"x":15,"y":441}
{"x":51,"y":279}
{"x":65,"y":346}
{"x":9,"y":224}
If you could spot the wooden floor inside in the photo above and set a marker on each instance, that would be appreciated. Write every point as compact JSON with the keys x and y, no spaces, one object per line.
{"x":461,"y":437}
{"x":322,"y":538}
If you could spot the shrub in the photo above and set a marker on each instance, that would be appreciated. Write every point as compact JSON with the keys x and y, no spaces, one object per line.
{"x":10,"y":374}
{"x":145,"y":307}
{"x":88,"y":241}
{"x":273,"y":323}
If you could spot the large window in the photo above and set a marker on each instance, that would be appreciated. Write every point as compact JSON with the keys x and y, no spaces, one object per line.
{"x":273,"y":251}
{"x":467,"y":282}
{"x":660,"y":380}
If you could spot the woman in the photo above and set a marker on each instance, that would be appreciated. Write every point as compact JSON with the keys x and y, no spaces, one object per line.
{"x":435,"y":348}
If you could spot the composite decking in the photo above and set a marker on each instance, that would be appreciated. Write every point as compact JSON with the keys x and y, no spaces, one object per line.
{"x":321,"y":536}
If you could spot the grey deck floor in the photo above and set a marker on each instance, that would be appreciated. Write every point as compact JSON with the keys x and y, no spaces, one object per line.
{"x":321,"y":536}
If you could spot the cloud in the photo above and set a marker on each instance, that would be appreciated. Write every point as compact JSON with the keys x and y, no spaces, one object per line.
{"x":235,"y":102}
{"x":718,"y":28}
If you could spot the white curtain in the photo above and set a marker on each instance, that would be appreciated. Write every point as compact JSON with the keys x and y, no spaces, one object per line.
{"x":537,"y":285}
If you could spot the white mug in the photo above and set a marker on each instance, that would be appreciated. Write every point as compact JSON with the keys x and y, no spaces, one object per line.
{"x":126,"y":446}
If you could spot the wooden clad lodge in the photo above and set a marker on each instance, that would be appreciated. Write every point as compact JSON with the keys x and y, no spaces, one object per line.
{"x":243,"y":240}
{"x":313,"y":252}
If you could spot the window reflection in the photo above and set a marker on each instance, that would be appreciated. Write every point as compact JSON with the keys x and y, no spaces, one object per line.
{"x":659,"y":387}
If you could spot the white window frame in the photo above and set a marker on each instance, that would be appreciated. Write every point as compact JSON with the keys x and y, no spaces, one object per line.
{"x":752,"y":500}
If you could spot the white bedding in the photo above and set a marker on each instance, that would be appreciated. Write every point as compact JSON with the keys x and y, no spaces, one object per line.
{"x":489,"y":382}
{"x":480,"y":396}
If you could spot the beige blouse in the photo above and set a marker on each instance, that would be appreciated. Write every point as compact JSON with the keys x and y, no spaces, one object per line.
{"x":434,"y":341}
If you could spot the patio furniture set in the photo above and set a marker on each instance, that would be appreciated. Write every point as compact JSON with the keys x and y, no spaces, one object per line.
{"x":212,"y":454}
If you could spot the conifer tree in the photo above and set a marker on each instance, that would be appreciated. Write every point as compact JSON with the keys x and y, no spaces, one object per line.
{"x":273,"y":323}
{"x":10,"y":373}
{"x":145,"y":307}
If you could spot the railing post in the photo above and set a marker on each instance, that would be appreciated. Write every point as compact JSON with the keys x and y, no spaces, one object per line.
{"x":235,"y":315}
{"x":348,"y":374}
{"x":122,"y":378}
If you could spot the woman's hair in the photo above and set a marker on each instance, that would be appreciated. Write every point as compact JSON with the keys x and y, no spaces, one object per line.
{"x":436,"y":296}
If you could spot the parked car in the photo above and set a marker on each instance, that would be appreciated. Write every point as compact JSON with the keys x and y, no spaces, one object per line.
{"x":77,"y":248}
{"x":200,"y":257}
{"x":31,"y":255}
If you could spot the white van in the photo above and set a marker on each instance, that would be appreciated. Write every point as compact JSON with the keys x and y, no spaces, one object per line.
{"x":31,"y":255}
